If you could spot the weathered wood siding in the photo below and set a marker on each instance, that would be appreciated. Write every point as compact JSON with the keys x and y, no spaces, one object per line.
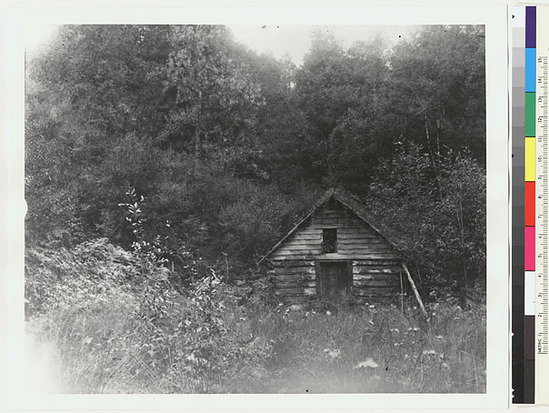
{"x":376,"y":280}
{"x":375,"y":265}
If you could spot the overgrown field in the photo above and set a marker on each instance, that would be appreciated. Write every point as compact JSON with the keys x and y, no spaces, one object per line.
{"x":117,"y":325}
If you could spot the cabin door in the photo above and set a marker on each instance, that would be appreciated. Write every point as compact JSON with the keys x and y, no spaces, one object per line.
{"x":334,"y":281}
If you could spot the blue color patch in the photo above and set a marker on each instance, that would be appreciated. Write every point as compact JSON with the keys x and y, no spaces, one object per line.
{"x":530,"y":66}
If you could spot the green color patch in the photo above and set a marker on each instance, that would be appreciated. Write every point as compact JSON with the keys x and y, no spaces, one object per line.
{"x":530,"y":114}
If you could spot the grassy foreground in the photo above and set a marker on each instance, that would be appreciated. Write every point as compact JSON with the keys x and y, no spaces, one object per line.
{"x":114,"y":324}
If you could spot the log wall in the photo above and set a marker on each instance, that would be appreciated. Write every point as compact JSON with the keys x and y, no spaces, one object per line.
{"x":375,"y":264}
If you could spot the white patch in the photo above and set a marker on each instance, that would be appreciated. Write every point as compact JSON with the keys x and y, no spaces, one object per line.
{"x":368,"y":363}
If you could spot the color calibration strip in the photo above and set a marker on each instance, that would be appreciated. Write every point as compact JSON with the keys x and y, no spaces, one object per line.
{"x":530,"y":204}
{"x":529,"y":200}
{"x":522,"y":373}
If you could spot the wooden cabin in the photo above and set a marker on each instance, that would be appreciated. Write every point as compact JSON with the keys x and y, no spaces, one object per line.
{"x":335,"y":254}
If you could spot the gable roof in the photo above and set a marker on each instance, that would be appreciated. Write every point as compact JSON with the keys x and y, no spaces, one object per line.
{"x":347,"y":200}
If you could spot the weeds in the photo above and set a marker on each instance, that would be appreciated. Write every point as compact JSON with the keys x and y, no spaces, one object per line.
{"x":117,"y":329}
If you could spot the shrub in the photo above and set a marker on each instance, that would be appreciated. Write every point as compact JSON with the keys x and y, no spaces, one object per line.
{"x":117,"y":328}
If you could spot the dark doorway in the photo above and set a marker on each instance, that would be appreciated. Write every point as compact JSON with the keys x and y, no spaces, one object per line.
{"x":334,"y":281}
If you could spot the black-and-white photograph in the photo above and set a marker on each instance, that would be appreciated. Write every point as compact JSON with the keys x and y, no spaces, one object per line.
{"x":236,"y":209}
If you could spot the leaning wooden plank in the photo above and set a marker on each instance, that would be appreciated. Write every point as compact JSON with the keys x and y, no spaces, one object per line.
{"x":416,"y":292}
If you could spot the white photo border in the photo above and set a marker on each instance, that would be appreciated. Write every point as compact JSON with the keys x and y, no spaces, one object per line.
{"x":493,"y":16}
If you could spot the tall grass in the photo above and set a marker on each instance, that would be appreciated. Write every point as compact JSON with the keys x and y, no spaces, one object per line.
{"x":114,"y":331}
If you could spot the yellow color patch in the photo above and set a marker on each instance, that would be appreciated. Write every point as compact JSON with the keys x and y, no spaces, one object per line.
{"x":530,"y":159}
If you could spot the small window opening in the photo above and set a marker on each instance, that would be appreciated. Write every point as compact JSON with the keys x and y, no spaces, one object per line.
{"x":329,"y":240}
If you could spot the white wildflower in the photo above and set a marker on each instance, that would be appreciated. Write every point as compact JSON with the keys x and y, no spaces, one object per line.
{"x":369,"y":362}
{"x":333,"y":354}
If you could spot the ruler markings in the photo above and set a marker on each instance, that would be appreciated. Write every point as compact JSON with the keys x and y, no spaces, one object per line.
{"x":542,"y":209}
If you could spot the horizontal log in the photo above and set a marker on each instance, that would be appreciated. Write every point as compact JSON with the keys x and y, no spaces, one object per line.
{"x":362,"y":249}
{"x":374,"y":264}
{"x":299,"y":254}
{"x":294,"y":277}
{"x":373,"y":284}
{"x":357,"y":234}
{"x":362,"y":255}
{"x":375,"y":271}
{"x":342,"y":240}
{"x":292,"y":263}
{"x":290,"y":292}
{"x":377,"y":277}
{"x":309,"y":231}
{"x":373,"y":291}
{"x":328,"y":213}
{"x":287,"y":285}
{"x":342,"y":249}
{"x":294,"y":284}
{"x":317,"y":241}
{"x":310,"y":291}
{"x":306,"y":236}
{"x":337,"y":256}
{"x":299,"y":247}
{"x":341,"y":226}
{"x":326,"y":221}
{"x":294,"y":268}
{"x":377,"y":263}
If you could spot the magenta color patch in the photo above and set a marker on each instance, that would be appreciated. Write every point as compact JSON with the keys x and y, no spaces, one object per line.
{"x":529,"y":248}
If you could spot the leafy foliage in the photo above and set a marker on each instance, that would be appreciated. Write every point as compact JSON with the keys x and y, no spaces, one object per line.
{"x":228,"y":147}
{"x":440,"y":222}
{"x":116,"y":329}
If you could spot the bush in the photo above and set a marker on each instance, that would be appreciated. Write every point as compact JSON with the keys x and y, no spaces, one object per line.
{"x":117,"y":328}
{"x":118,"y":325}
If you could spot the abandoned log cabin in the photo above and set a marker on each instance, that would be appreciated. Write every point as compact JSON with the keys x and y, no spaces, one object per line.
{"x":334,"y":254}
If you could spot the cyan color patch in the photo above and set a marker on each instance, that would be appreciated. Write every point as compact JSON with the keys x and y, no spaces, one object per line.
{"x":530,"y":74}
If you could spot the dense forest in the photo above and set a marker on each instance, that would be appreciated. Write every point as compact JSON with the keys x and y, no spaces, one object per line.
{"x":163,"y":161}
{"x":206,"y":152}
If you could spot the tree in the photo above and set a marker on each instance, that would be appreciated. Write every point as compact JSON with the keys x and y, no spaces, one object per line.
{"x":443,"y":234}
{"x":438,"y":89}
{"x":212,"y":102}
{"x":94,"y":89}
